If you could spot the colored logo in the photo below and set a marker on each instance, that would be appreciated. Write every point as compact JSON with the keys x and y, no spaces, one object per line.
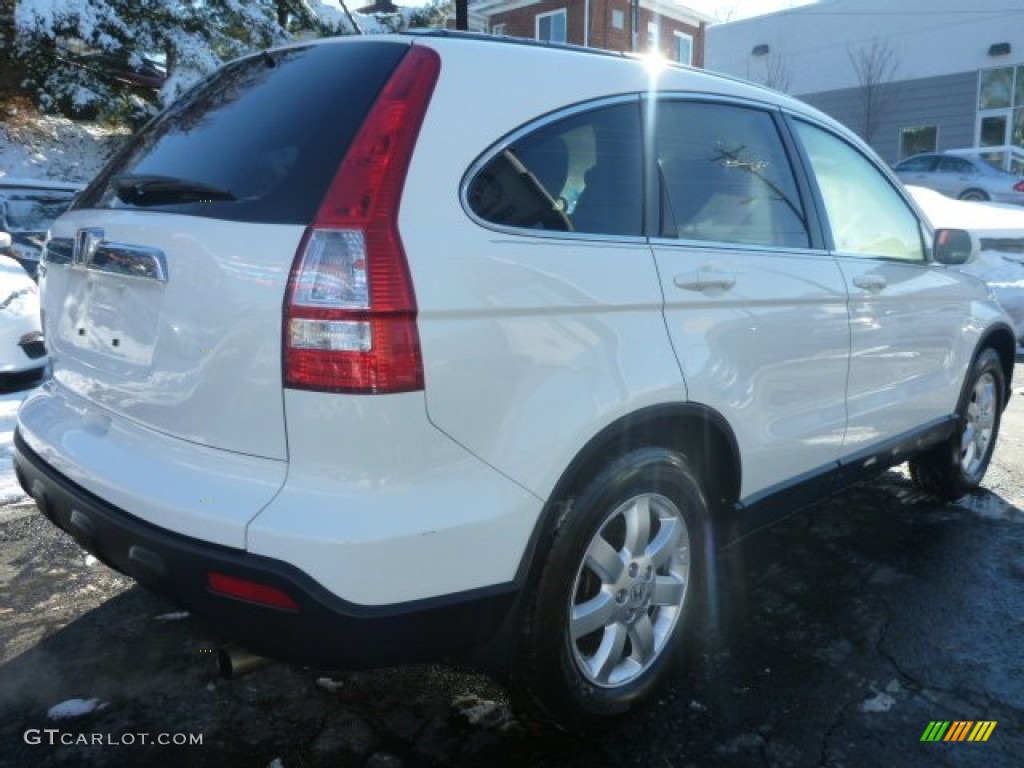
{"x":959,"y":730}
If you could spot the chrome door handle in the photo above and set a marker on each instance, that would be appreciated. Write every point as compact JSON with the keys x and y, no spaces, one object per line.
{"x":705,"y":280}
{"x":873,"y":283}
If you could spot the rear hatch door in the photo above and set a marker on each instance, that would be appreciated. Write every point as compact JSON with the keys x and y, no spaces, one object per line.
{"x":163,"y":287}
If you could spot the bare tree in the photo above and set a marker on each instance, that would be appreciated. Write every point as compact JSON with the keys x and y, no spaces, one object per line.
{"x":876,"y":67}
{"x":725,"y":11}
{"x":777,"y":74}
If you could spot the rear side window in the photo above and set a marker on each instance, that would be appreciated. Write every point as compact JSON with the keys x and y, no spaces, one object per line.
{"x":725,"y":177}
{"x":955,"y":165}
{"x":582,"y":173}
{"x":259,"y":141}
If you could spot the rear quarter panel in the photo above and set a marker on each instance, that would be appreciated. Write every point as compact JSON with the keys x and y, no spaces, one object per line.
{"x":531,"y":344}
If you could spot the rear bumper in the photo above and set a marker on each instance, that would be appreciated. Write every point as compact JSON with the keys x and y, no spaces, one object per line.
{"x":324,"y":631}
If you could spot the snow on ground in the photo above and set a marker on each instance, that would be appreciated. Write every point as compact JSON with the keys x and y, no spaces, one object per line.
{"x":49,"y":147}
{"x":989,"y":220}
{"x":10,"y":491}
{"x":74,"y":708}
{"x":1002,"y":270}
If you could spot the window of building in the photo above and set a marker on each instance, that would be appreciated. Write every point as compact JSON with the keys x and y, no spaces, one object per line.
{"x":618,"y":19}
{"x":551,"y":27}
{"x":653,"y":35}
{"x":499,"y":30}
{"x":922,"y":138}
{"x":725,"y":177}
{"x":684,"y":48}
{"x":996,"y":88}
{"x":1001,"y":116}
{"x":579,"y":174}
{"x":867,"y":216}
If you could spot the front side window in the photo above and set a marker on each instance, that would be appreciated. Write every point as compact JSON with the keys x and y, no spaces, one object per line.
{"x":725,"y":177}
{"x":551,"y":26}
{"x":867,"y":215}
{"x":582,"y":173}
{"x":922,"y":164}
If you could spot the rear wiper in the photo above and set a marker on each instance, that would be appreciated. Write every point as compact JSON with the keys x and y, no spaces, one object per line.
{"x":145,"y":190}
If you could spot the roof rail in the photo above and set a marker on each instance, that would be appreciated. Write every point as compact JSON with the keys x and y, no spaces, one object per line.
{"x":507,"y":40}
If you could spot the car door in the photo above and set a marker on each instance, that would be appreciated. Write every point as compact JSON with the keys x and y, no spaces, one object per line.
{"x":954,"y":176}
{"x":755,"y":308}
{"x":906,"y":314}
{"x":918,"y":170}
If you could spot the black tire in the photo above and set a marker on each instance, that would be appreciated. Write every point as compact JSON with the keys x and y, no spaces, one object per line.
{"x":976,"y":195}
{"x":957,"y":466}
{"x":653,"y":601}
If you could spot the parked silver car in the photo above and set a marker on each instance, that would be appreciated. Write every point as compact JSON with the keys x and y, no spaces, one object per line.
{"x":27,"y":208}
{"x":961,"y":176}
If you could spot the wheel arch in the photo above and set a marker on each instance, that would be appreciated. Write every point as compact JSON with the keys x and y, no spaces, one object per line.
{"x":1001,"y":338}
{"x":697,"y":431}
{"x":974,"y":193}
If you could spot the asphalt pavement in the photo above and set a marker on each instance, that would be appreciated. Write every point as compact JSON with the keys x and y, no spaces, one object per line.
{"x":842,"y":635}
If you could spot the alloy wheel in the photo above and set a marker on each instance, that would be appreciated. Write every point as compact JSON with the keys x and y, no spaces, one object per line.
{"x":630,"y":590}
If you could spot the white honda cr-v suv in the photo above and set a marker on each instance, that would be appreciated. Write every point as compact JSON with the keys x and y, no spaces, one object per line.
{"x":400,"y":348}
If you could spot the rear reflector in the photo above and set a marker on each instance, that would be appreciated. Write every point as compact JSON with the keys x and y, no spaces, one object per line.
{"x":350,"y":311}
{"x":249,"y":591}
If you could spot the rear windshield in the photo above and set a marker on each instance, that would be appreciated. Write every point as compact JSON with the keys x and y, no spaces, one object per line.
{"x":258,"y":142}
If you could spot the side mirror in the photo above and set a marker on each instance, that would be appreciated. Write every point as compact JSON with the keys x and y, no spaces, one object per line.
{"x":5,"y":241}
{"x":954,"y":246}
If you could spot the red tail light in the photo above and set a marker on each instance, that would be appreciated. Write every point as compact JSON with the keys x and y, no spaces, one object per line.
{"x":350,"y":310}
{"x":249,"y":591}
{"x":1019,"y":186}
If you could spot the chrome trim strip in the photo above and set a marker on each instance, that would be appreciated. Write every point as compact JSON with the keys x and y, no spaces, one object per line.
{"x":58,"y":250}
{"x":112,"y":258}
{"x":724,"y":245}
{"x":130,"y":261}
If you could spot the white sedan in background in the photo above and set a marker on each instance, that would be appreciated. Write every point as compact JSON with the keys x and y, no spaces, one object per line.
{"x":22,"y":351}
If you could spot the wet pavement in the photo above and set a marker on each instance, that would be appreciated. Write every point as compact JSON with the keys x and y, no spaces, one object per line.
{"x":841,"y":634}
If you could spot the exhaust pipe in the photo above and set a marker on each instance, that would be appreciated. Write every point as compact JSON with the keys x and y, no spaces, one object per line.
{"x":234,"y":662}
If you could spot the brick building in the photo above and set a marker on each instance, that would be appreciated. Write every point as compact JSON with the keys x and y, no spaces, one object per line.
{"x":673,"y":29}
